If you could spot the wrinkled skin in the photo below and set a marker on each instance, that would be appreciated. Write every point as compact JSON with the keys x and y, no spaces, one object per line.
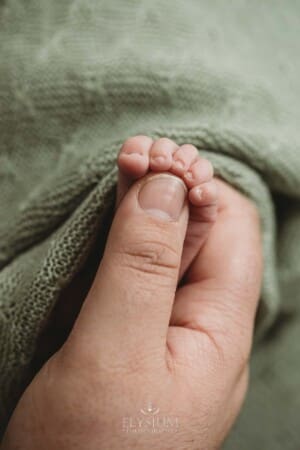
{"x":124,"y":350}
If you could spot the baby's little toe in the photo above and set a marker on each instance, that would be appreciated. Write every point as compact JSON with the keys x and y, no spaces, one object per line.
{"x":204,"y":198}
{"x":204,"y":194}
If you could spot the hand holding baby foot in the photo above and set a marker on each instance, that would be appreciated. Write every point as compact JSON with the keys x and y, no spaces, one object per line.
{"x":140,"y":155}
{"x":139,"y":338}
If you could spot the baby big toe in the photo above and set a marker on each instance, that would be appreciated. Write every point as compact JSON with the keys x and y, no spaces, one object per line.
{"x":133,"y":159}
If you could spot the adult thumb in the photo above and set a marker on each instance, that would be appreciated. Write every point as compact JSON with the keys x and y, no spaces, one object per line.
{"x":134,"y":289}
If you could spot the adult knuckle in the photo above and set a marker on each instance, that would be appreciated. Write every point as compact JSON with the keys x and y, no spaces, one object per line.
{"x":233,"y":336}
{"x":236,"y":350}
{"x":150,"y":257}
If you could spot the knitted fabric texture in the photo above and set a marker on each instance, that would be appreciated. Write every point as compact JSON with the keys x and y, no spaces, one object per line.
{"x":79,"y":77}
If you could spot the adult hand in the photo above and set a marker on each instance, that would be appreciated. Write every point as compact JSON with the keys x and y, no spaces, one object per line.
{"x":148,"y":366}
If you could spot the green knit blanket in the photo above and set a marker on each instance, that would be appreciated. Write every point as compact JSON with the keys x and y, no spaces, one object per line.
{"x":77,"y":77}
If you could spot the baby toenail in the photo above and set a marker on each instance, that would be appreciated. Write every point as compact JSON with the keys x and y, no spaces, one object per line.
{"x":158,"y":159}
{"x":189,"y":175}
{"x":199,"y":192}
{"x":179,"y":164}
{"x":133,"y":152}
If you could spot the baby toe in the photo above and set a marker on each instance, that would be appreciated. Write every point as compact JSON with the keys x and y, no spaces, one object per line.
{"x":183,"y":158}
{"x":200,"y":171}
{"x":161,"y":154}
{"x":133,"y":159}
{"x":204,"y":199}
{"x":204,"y":194}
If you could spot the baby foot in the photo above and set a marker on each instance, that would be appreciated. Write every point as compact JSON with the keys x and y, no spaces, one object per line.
{"x":140,"y":155}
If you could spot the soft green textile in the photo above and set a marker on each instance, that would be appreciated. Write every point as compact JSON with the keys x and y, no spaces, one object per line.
{"x":76,"y":79}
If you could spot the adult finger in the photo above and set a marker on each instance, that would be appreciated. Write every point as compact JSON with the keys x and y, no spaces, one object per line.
{"x":130,"y":302}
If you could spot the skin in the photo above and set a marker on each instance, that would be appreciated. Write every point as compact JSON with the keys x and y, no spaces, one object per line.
{"x":140,"y":337}
{"x":140,"y":155}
